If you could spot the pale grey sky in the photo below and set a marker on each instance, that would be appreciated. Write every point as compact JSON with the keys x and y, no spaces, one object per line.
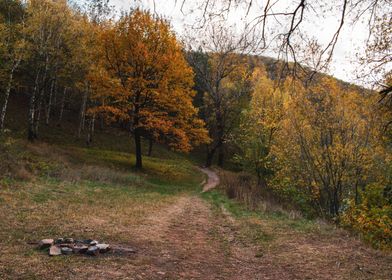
{"x":321,"y":27}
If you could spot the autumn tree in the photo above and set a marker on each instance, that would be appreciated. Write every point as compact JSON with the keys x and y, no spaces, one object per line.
{"x":260,"y":122}
{"x":81,"y":63}
{"x":58,"y":45}
{"x":222,"y":73}
{"x":329,"y":142}
{"x":46,"y":28}
{"x":11,"y":49}
{"x":144,"y":80}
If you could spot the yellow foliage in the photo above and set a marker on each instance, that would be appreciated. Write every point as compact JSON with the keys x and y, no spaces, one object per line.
{"x":372,"y":217}
{"x":329,"y":143}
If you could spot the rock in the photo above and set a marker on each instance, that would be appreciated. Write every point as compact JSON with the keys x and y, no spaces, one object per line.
{"x":103,"y":248}
{"x":45,"y":243}
{"x":68,"y":240}
{"x":65,"y":245}
{"x":66,"y":251}
{"x":59,"y":241}
{"x":93,"y":242}
{"x":92,"y":251}
{"x":54,"y":251}
{"x":80,"y":249}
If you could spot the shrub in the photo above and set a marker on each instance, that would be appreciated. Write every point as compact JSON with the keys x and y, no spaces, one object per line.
{"x":372,"y":217}
{"x":293,"y":197}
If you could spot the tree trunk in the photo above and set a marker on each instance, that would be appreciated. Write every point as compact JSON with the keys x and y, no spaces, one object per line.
{"x":6,"y":97}
{"x":37,"y":117}
{"x":49,"y":105}
{"x":138,"y":147}
{"x":41,"y":96}
{"x":150,"y":144}
{"x":31,"y":132}
{"x":221,"y":156}
{"x":83,"y":112}
{"x":219,"y":139}
{"x":62,"y":106}
{"x":101,"y":122}
{"x":210,"y":157}
{"x":55,"y":96}
{"x":91,"y":131}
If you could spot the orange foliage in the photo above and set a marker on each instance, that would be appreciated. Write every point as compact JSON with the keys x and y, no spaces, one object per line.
{"x":143,"y":79}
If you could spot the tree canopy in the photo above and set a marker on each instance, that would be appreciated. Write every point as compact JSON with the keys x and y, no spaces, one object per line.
{"x":143,"y":79}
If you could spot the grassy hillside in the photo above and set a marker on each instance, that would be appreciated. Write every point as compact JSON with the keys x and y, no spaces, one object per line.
{"x":59,"y":187}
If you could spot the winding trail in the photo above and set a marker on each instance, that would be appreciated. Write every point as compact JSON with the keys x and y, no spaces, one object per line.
{"x":192,"y":239}
{"x":213,"y":179}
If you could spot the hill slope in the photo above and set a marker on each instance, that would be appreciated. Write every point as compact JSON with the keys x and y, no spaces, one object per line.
{"x":59,"y":187}
{"x":178,"y":233}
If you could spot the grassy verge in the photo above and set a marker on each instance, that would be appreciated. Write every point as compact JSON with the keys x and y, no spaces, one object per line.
{"x":263,"y":228}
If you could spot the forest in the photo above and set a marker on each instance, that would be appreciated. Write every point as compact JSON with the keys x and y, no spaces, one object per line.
{"x":85,"y":89}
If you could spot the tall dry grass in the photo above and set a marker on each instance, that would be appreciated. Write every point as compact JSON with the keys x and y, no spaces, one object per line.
{"x":243,"y":187}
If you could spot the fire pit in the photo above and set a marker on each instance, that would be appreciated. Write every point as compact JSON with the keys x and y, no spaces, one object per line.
{"x":69,"y":246}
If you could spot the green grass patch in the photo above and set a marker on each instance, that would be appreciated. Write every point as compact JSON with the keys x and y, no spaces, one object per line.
{"x":275,"y":219}
{"x":218,"y":199}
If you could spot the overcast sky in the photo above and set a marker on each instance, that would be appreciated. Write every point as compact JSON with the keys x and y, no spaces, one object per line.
{"x":321,"y":27}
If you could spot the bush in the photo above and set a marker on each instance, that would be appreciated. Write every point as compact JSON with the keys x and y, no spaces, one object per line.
{"x":372,"y":217}
{"x":242,"y":187}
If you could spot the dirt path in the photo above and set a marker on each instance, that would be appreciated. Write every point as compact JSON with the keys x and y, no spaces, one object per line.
{"x":212,"y":181}
{"x":180,"y":235}
{"x":190,"y":239}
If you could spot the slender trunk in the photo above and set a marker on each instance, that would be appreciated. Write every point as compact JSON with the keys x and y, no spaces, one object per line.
{"x":55,"y":96}
{"x":150,"y":144}
{"x":210,"y":156}
{"x":137,"y":131}
{"x":219,"y":138}
{"x":336,"y":203}
{"x":101,"y":122}
{"x":37,"y":118}
{"x":91,"y":130}
{"x":49,"y":105}
{"x":62,"y":105}
{"x":138,"y":148}
{"x":221,"y":155}
{"x":6,"y":97}
{"x":83,"y":112}
{"x":31,"y":133}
